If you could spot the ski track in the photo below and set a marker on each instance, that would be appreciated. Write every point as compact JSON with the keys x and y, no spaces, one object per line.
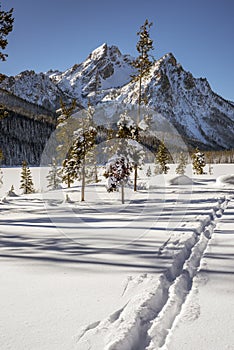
{"x":145,"y":322}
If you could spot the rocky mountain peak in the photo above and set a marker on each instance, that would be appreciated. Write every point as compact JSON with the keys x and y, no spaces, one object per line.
{"x":106,"y":75}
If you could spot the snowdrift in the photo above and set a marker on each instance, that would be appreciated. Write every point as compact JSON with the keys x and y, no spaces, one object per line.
{"x":225,"y":181}
{"x":179,"y":180}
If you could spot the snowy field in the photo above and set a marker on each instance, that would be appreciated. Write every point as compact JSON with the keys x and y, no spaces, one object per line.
{"x":154,"y":273}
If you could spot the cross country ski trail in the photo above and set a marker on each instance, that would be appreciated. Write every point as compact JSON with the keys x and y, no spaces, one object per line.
{"x":154,"y":303}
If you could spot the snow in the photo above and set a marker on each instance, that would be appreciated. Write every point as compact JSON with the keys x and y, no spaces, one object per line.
{"x":180,"y":180}
{"x":225,"y":181}
{"x":154,"y":273}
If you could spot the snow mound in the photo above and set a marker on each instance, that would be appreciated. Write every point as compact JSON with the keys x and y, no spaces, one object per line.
{"x":225,"y":181}
{"x":3,"y":200}
{"x":180,"y":180}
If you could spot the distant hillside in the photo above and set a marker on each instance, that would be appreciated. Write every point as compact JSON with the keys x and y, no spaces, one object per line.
{"x":25,"y":130}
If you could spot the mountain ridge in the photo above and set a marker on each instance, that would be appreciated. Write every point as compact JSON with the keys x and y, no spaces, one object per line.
{"x":105,"y":75}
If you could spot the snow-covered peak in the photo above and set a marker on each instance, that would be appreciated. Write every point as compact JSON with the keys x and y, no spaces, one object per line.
{"x":105,"y":68}
{"x":99,"y":52}
{"x":33,"y":87}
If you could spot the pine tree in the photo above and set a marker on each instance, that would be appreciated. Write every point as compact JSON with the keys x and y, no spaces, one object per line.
{"x":67,"y":174}
{"x":26,"y":179}
{"x":65,"y":128}
{"x":142,"y":64}
{"x":117,"y":172}
{"x":182,"y":164}
{"x":6,"y":26}
{"x":93,"y":174}
{"x":11,"y":192}
{"x":3,"y":112}
{"x":198,"y":161}
{"x":80,"y":155}
{"x":54,"y":176}
{"x":162,"y":158}
{"x":1,"y":156}
{"x":149,"y":172}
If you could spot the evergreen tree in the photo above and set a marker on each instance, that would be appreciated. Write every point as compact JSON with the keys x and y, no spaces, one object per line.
{"x":117,"y":172}
{"x":142,"y":64}
{"x":26,"y":179}
{"x":94,"y":172}
{"x":6,"y":26}
{"x":65,"y":128}
{"x":162,"y":158}
{"x":198,"y":161}
{"x":182,"y":164}
{"x":54,"y":176}
{"x":3,"y":112}
{"x":12,"y":193}
{"x":80,"y":155}
{"x":64,"y":135}
{"x":149,"y":172}
{"x":67,"y":174}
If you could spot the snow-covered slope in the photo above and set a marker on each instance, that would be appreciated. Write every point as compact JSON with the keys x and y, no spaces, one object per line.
{"x":34,"y":88}
{"x":199,"y":115}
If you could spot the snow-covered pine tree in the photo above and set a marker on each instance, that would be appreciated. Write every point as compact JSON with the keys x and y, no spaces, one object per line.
{"x":54,"y":176}
{"x":162,"y":158}
{"x":65,"y":128}
{"x":198,"y":161}
{"x":149,"y":172}
{"x":80,"y":155}
{"x":142,"y":63}
{"x":128,"y":145}
{"x":93,"y":171}
{"x":182,"y":164}
{"x":11,"y":192}
{"x":67,"y":172}
{"x":117,"y":173}
{"x":26,"y":179}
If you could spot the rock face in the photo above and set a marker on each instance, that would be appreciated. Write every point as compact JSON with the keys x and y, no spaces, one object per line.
{"x":200,"y":116}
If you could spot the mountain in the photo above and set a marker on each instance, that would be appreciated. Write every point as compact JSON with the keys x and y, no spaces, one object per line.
{"x":200,"y":116}
{"x":105,"y":68}
{"x":34,"y":88}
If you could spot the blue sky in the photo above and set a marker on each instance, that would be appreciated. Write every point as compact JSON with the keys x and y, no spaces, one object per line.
{"x":59,"y":33}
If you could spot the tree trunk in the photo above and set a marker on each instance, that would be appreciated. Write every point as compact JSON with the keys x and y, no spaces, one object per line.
{"x":135,"y":177}
{"x":96,"y":174}
{"x":83,"y":182}
{"x":139,"y":100}
{"x":122,"y":192}
{"x":68,"y":181}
